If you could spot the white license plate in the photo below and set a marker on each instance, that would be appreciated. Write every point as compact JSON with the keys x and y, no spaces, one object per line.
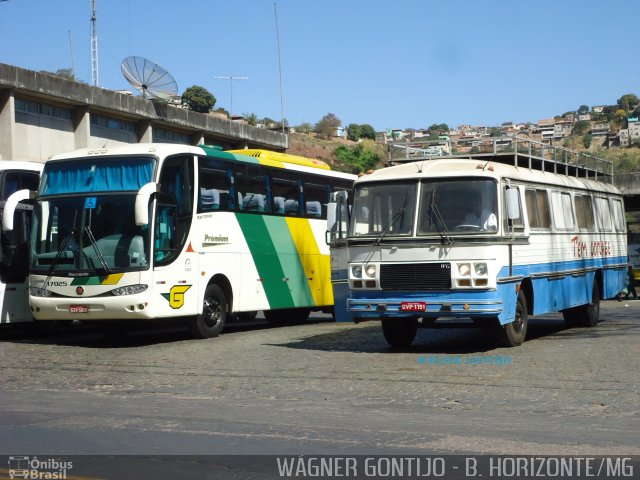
{"x":78,"y":309}
{"x":413,"y":306}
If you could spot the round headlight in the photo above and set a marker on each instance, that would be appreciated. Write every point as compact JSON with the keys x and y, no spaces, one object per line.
{"x":464,"y":269}
{"x":481,"y":268}
{"x":370,"y":271}
{"x":356,"y":271}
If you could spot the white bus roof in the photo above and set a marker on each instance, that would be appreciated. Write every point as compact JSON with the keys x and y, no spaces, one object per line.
{"x":21,"y":165}
{"x":165,"y":149}
{"x":462,"y":167}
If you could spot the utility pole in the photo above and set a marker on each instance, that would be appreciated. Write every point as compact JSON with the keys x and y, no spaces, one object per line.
{"x":231,"y":78}
{"x":94,"y":45}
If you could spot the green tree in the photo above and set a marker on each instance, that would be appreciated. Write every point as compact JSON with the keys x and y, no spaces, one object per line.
{"x":368,"y":131}
{"x":586,"y":140}
{"x":327,"y":125}
{"x":628,"y":102}
{"x":354,"y":132}
{"x":198,"y":99}
{"x":359,"y":158}
{"x":304,"y":127}
{"x":251,"y":118}
{"x":495,"y":132}
{"x":583,"y":109}
{"x":66,"y":73}
{"x":438,"y":128}
{"x":580,"y":127}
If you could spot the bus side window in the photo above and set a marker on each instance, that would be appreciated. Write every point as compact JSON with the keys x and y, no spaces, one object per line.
{"x":603,"y":214}
{"x":584,"y":212}
{"x":215,"y":186}
{"x":562,"y":211}
{"x":316,"y":197}
{"x":537,"y":202}
{"x":618,"y":215}
{"x":252,"y":183}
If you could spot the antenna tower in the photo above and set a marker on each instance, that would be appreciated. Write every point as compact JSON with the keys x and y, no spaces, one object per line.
{"x":94,"y":45}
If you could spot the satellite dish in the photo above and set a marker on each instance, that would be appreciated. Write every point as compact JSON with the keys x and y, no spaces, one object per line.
{"x":149,"y":78}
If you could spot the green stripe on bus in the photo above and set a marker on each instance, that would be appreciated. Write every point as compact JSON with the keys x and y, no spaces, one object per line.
{"x":266,"y":259}
{"x":290,"y":261}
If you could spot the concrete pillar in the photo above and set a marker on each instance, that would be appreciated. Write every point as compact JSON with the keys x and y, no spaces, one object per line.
{"x":145,"y":132}
{"x":81,"y":126}
{"x":7,"y":124}
{"x":198,"y":138}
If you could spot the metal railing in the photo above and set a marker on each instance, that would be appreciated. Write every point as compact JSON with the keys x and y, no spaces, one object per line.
{"x":520,"y":152}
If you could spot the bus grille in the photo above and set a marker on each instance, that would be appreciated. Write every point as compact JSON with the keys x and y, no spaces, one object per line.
{"x":415,"y":276}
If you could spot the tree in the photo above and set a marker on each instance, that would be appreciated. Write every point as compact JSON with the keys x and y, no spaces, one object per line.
{"x":359,"y":158}
{"x":327,"y":125}
{"x":354,"y":132}
{"x":198,"y":99}
{"x":438,"y":128}
{"x":583,"y":109}
{"x":304,"y":127}
{"x":580,"y":127}
{"x":586,"y":140}
{"x":251,"y":118}
{"x":66,"y":73}
{"x":628,"y":102}
{"x":368,"y":131}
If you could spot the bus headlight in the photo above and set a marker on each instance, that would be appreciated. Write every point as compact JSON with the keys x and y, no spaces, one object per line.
{"x":39,"y":292}
{"x":129,"y":290}
{"x":370,"y":270}
{"x":481,"y":268}
{"x":356,"y":271}
{"x":464,"y":269}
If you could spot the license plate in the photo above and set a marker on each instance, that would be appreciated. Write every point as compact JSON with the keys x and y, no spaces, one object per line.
{"x":413,"y":306}
{"x":78,"y":309}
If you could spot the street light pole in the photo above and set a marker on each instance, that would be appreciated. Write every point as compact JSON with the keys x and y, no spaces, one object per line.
{"x":231,"y":78}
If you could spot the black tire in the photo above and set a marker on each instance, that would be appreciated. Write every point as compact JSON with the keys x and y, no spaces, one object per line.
{"x":513,"y":334}
{"x":287,"y":316}
{"x":399,"y":332}
{"x":210,"y":323}
{"x":587,"y":315}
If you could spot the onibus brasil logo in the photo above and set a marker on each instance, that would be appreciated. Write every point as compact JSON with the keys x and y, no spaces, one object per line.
{"x":176,"y":295}
{"x":33,"y":468}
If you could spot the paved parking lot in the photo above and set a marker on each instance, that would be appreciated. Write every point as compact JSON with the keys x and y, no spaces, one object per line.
{"x":326,"y":388}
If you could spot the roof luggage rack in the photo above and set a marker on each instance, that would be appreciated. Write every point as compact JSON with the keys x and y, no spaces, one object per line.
{"x":524,"y":153}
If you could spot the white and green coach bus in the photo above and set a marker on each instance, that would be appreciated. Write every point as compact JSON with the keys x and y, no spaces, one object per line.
{"x":157,"y":231}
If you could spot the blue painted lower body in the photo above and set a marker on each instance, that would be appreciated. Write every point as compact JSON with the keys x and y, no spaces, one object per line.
{"x":554,"y":287}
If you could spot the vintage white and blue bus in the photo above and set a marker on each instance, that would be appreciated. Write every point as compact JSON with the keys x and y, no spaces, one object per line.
{"x":14,"y":252}
{"x":482,"y":239}
{"x":158,"y":231}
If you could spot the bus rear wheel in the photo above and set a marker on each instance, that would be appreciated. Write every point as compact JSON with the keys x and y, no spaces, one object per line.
{"x":399,"y":332}
{"x":587,"y":315}
{"x":211,"y":321}
{"x":513,"y":334}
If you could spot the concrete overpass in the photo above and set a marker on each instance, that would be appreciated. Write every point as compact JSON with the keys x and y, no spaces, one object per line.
{"x":42,"y":115}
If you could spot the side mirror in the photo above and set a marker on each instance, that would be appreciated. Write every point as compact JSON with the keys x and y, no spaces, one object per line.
{"x":513,"y":203}
{"x":10,"y":207}
{"x":331,"y":215}
{"x":142,"y":203}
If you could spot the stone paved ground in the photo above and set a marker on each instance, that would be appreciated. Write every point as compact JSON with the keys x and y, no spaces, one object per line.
{"x":328,"y":388}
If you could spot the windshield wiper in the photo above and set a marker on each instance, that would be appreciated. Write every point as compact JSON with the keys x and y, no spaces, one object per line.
{"x":61,"y":250}
{"x":395,"y":217}
{"x":96,"y":248}
{"x":440,"y":225}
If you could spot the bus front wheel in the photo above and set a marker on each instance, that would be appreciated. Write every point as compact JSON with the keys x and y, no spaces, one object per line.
{"x":399,"y":332}
{"x":211,"y":321}
{"x":513,"y":334}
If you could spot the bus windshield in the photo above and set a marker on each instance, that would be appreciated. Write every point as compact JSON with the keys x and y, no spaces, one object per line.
{"x":88,"y":233}
{"x":446,"y":207}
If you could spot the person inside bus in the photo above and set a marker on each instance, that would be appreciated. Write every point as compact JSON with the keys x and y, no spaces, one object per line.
{"x":479,"y":216}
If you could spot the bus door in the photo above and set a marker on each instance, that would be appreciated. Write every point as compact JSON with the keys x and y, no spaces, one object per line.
{"x":175,"y":262}
{"x":337,"y":225}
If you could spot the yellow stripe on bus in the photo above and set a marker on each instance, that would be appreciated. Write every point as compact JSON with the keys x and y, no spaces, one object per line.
{"x":112,"y":279}
{"x":316,"y":267}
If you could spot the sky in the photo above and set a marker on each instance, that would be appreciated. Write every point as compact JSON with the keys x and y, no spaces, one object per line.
{"x":390,"y":64}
